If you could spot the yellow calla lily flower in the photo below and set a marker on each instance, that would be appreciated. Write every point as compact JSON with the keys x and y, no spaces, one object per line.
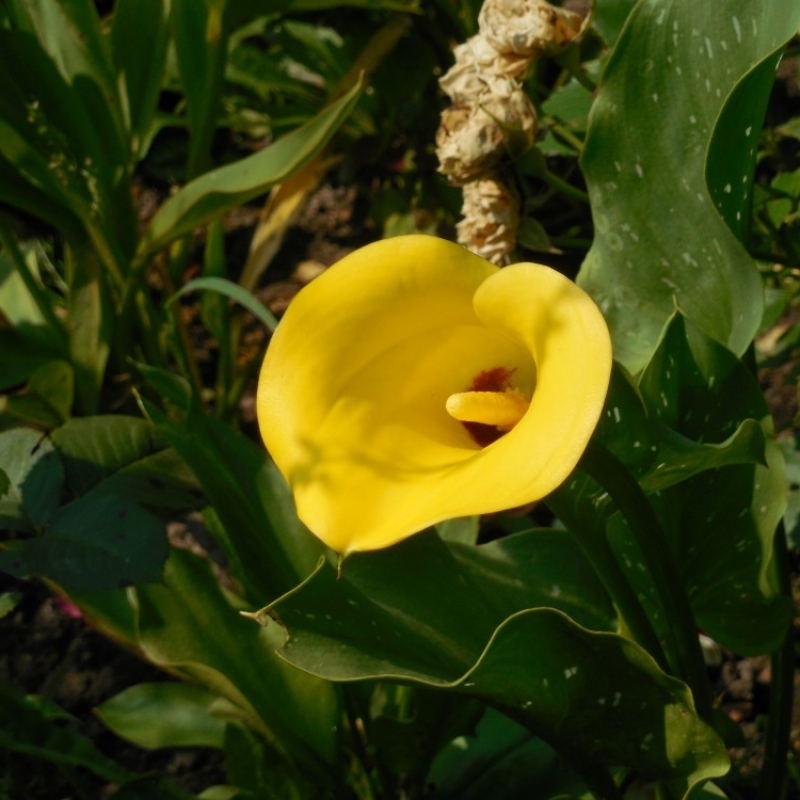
{"x":414,"y":382}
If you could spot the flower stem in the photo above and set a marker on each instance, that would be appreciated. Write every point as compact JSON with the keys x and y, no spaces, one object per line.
{"x":600,"y":555}
{"x":682,"y":640}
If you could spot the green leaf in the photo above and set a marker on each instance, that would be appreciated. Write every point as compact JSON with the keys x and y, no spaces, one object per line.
{"x":722,"y":523}
{"x":657,"y":455}
{"x":389,"y":616}
{"x":257,"y":771}
{"x":188,"y":623}
{"x":408,"y":725}
{"x":69,"y":31}
{"x":225,"y":188}
{"x":571,"y":104}
{"x":659,"y":234}
{"x":61,"y":119}
{"x":502,"y":759}
{"x":594,"y":695}
{"x":698,"y":387}
{"x":719,"y":503}
{"x":235,"y":292}
{"x":214,"y":307}
{"x":140,"y":69}
{"x":248,"y":494}
{"x":46,"y":402}
{"x":162,"y":481}
{"x":35,"y":473}
{"x":40,"y":735}
{"x":610,"y":17}
{"x":8,"y":602}
{"x":155,"y":715}
{"x":200,"y":36}
{"x":19,"y":193}
{"x":89,"y":325}
{"x":680,"y":458}
{"x":47,"y":139}
{"x":462,"y":529}
{"x":23,"y":350}
{"x":29,"y":728}
{"x":94,"y":448}
{"x":95,"y":543}
{"x":16,"y":302}
{"x":104,"y":539}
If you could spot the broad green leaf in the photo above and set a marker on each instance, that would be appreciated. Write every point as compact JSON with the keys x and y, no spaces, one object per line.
{"x":248,"y":494}
{"x":95,"y":543}
{"x":23,"y":350}
{"x":593,"y":695}
{"x":94,"y":448}
{"x":698,"y":387}
{"x":650,"y":151}
{"x":657,"y":455}
{"x":105,"y":539}
{"x":188,"y":623}
{"x":235,"y":292}
{"x":571,"y":104}
{"x":46,"y":402}
{"x":224,"y":188}
{"x":502,"y":759}
{"x":110,"y":613}
{"x":680,"y":458}
{"x":140,"y":69}
{"x":162,"y":481}
{"x":155,"y":715}
{"x":610,"y":17}
{"x":408,"y":725}
{"x":125,"y":457}
{"x":35,"y":474}
{"x":389,"y":615}
{"x":722,"y":523}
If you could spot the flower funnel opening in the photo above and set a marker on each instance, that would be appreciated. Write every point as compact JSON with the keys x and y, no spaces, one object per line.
{"x":413,"y":382}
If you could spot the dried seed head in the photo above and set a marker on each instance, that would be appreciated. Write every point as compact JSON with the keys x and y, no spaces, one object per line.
{"x":522,"y":30}
{"x":472,"y":137}
{"x":491,"y":219}
{"x":476,"y":63}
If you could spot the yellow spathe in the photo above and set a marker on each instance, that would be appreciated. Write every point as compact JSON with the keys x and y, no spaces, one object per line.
{"x":353,"y":394}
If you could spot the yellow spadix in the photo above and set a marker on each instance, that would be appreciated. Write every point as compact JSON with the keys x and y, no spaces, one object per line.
{"x":414,"y":382}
